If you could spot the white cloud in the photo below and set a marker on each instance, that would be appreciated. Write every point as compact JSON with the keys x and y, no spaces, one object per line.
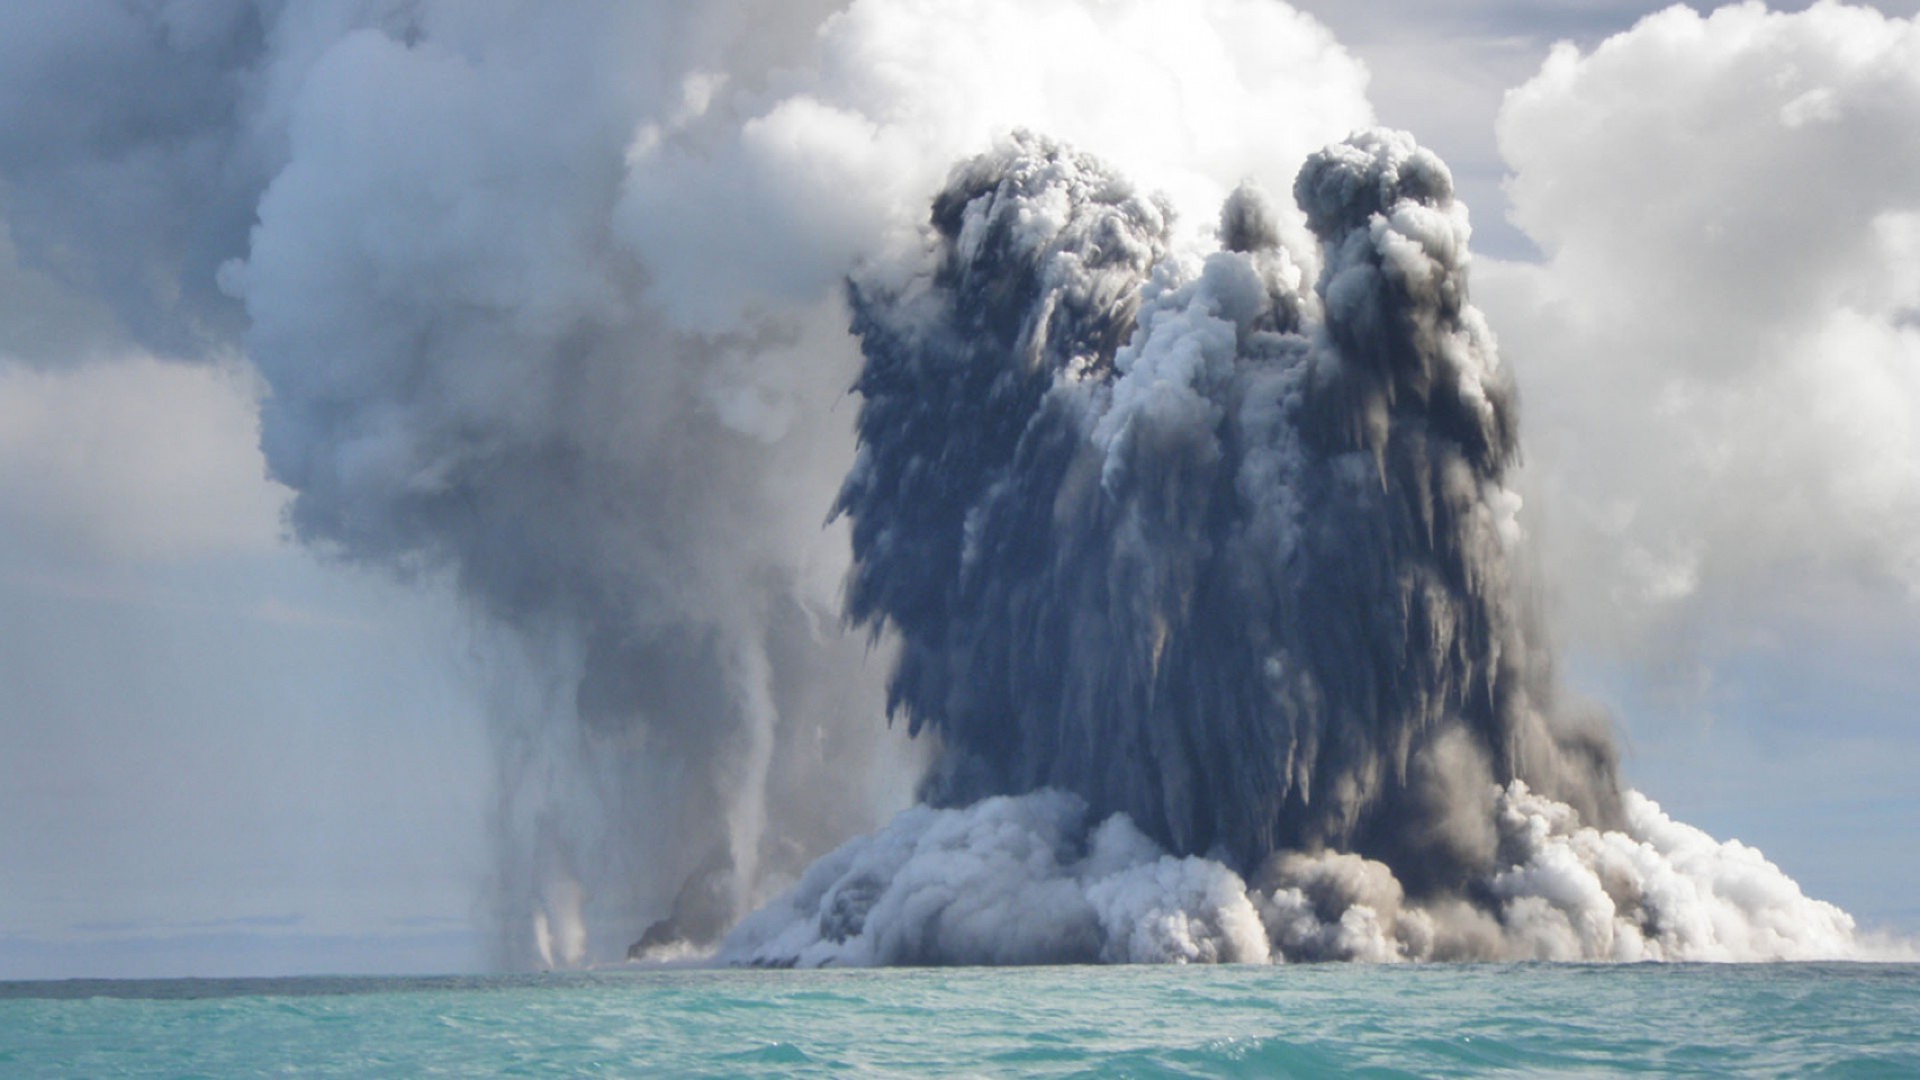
{"x":1721,"y":366}
{"x":762,"y":199}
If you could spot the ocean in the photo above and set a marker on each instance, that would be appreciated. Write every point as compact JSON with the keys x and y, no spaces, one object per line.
{"x":1322,"y":1020}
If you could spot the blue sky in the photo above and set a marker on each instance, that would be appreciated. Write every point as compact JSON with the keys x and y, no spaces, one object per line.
{"x":224,"y":753}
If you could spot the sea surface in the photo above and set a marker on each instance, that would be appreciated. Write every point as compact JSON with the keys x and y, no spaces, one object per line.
{"x":1332,"y":1020}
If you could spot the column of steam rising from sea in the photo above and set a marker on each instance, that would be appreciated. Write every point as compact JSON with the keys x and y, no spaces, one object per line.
{"x":1207,"y":547}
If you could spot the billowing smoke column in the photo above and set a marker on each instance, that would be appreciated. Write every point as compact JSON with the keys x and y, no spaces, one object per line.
{"x":1204,"y":547}
{"x":1204,"y":576}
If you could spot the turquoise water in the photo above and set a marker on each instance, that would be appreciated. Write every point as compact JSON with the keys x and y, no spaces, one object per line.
{"x":1784,"y":1020}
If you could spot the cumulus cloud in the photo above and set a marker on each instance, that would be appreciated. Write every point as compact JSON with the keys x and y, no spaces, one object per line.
{"x":778,"y":188}
{"x":1721,"y":350}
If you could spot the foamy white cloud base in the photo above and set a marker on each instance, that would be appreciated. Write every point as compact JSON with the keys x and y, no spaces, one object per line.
{"x":1033,"y":880}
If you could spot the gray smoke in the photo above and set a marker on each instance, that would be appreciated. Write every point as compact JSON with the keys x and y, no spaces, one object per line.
{"x":466,"y":377}
{"x":545,"y":305}
{"x":406,"y":214}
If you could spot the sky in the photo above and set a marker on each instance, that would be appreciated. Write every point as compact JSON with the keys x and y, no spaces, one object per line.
{"x":254,"y":709}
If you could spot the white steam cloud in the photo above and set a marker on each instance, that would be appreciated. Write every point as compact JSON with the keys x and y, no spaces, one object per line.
{"x":1722,"y":349}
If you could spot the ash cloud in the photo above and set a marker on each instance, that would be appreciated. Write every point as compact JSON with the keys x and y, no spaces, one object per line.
{"x":1203,"y":543}
{"x":1205,"y":576}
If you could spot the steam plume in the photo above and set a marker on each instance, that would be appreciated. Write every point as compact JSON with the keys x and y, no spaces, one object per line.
{"x":464,"y":383}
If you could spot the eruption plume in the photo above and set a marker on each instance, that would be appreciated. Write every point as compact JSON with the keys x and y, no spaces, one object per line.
{"x":1231,"y":561}
{"x":1187,"y":550}
{"x":1205,"y":547}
